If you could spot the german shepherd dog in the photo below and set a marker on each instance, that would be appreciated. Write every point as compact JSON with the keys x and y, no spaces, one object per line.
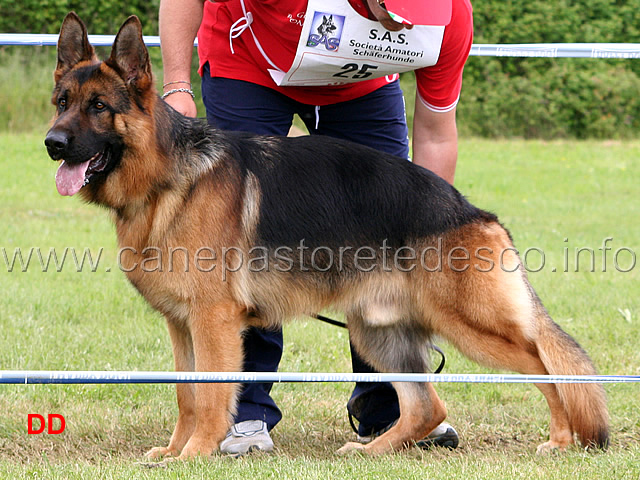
{"x":301,"y":225}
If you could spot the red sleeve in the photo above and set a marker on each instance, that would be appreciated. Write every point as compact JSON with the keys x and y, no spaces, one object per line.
{"x":439,"y":86}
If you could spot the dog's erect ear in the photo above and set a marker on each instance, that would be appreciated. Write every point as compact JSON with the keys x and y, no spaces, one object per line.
{"x":130,"y":55}
{"x":73,"y":45}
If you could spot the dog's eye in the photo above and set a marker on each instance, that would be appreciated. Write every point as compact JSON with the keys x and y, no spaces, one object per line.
{"x":100,"y":106}
{"x":62,"y":103}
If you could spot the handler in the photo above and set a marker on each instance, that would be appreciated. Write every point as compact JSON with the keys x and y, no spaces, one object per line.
{"x":335,"y":63}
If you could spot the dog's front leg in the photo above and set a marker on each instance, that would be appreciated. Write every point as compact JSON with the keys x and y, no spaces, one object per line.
{"x":216,"y":333}
{"x":184,"y":362}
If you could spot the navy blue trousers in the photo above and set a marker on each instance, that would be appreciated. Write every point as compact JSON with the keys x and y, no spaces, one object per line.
{"x":376,"y":120}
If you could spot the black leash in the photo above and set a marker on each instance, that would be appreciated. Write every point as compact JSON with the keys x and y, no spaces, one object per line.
{"x":331,"y":321}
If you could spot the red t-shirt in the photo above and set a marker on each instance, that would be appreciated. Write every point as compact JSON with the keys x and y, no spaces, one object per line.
{"x":278,"y":24}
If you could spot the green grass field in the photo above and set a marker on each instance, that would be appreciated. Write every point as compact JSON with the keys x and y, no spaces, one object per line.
{"x":554,"y":197}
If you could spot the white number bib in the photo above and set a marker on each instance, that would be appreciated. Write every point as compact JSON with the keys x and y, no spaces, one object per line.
{"x":339,"y":46}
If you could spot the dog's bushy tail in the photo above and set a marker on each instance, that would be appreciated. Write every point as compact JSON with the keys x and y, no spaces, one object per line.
{"x":585,"y":403}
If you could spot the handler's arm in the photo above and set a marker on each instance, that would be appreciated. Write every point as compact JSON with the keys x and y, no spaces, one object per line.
{"x":179,"y":22}
{"x":435,"y":140}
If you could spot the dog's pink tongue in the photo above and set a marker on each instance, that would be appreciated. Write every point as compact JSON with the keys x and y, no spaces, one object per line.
{"x":70,"y":178}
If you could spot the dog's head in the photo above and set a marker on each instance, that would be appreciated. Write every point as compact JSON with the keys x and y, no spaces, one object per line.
{"x":97,"y":104}
{"x":327,"y":26}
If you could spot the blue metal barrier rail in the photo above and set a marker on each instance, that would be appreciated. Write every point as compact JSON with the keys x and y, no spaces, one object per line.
{"x":130,"y":377}
{"x":549,"y":50}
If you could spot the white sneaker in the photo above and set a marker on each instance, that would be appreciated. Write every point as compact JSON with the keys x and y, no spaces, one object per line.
{"x":245,"y":437}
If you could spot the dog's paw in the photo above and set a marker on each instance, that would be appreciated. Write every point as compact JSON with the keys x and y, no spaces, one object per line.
{"x":194,"y":449}
{"x":160,"y":452}
{"x":351,"y":447}
{"x":550,"y":447}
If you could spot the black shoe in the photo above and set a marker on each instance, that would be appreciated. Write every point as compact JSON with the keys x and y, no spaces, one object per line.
{"x":444,"y":435}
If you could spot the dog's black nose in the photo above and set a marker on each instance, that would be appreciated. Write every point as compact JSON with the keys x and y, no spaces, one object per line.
{"x":56,"y":143}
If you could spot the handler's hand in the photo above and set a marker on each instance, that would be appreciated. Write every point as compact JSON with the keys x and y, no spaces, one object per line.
{"x":384,"y":18}
{"x":182,"y":103}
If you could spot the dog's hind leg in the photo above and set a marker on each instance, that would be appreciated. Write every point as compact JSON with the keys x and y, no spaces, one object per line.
{"x":399,"y":348}
{"x":184,"y":362}
{"x":503,"y":324}
{"x":489,"y":311}
{"x":511,"y":350}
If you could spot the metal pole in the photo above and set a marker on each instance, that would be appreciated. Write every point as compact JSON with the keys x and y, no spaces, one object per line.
{"x":127,"y":377}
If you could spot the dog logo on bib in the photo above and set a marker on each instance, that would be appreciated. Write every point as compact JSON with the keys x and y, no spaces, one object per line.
{"x":326,"y":31}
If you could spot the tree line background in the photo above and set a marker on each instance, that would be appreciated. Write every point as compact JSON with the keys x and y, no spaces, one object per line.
{"x":501,"y":97}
